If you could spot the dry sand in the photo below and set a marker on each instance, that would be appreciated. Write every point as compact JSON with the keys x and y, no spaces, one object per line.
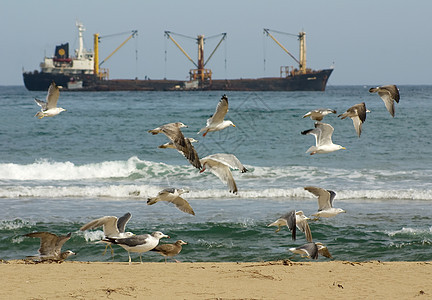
{"x":265,"y":280}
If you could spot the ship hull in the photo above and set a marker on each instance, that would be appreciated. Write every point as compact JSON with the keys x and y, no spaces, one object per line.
{"x":313,"y":81}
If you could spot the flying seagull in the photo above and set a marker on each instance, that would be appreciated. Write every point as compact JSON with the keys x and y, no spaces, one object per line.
{"x":220,"y":164}
{"x":172,"y":195}
{"x":325,"y":202}
{"x":217,"y":122}
{"x":389,"y":94}
{"x":170,"y":144}
{"x":183,"y":145}
{"x":357,"y":113}
{"x":50,"y":246}
{"x":170,"y":250}
{"x":319,"y":114}
{"x":49,"y":108}
{"x":113,"y":227}
{"x":323,"y":139}
{"x":139,"y":243}
{"x":311,"y":250}
{"x":292,"y":220}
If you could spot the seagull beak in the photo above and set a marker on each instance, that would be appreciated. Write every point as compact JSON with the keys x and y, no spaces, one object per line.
{"x":343,"y":148}
{"x":233,"y":125}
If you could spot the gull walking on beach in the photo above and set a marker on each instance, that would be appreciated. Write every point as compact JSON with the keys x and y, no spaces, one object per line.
{"x":172,"y":195}
{"x":170,"y":250}
{"x":220,"y":164}
{"x":217,"y":122}
{"x":183,"y":145}
{"x":323,"y":139}
{"x":357,"y":113}
{"x":389,"y":94}
{"x":294,"y":219}
{"x":50,"y":246}
{"x":319,"y":114}
{"x":325,"y":202}
{"x":49,"y":108}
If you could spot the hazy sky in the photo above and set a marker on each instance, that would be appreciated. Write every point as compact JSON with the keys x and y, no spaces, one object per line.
{"x":368,"y":41}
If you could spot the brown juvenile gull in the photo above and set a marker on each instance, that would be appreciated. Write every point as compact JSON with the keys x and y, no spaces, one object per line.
{"x":183,"y":145}
{"x":319,"y":114}
{"x":49,"y":108}
{"x":50,"y":246}
{"x":170,"y":250}
{"x":220,"y":164}
{"x":389,"y":94}
{"x":323,"y":139}
{"x":217,"y":122}
{"x":292,"y":220}
{"x":172,"y":195}
{"x":171,"y":144}
{"x":325,"y":202}
{"x":311,"y":250}
{"x":113,"y":227}
{"x":357,"y":113}
{"x":139,"y":243}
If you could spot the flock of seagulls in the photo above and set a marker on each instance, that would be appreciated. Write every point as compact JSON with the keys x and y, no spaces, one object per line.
{"x":220,"y":164}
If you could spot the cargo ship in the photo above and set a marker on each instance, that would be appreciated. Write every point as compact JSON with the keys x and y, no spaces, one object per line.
{"x":82,"y":72}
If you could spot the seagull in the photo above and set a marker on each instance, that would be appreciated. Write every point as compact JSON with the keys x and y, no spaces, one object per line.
{"x":50,"y":246}
{"x":183,"y":145}
{"x":357,"y":113}
{"x":49,"y":108}
{"x":139,"y":243}
{"x":170,"y":250}
{"x":325,"y":202}
{"x":220,"y":164}
{"x":217,"y":122}
{"x":323,"y":133}
{"x":172,"y":195}
{"x":389,"y":94}
{"x":311,"y":250}
{"x":113,"y":227}
{"x":171,"y":144}
{"x":319,"y":114}
{"x":294,"y":219}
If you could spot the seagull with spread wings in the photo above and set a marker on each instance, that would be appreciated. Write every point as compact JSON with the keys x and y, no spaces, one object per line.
{"x":319,"y":114}
{"x":217,"y":122}
{"x":389,"y":94}
{"x":323,"y":139}
{"x":50,"y":246}
{"x":325,"y":202}
{"x":357,"y":113}
{"x":49,"y":108}
{"x":294,"y":219}
{"x":172,"y":195}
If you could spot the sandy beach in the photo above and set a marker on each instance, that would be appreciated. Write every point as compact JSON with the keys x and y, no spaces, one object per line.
{"x":258,"y":280}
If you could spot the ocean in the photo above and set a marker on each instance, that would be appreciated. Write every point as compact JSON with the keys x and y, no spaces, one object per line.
{"x":97,"y":159}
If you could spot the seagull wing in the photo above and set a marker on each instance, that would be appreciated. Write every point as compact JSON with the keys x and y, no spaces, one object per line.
{"x":332,"y":195}
{"x":290,"y":218}
{"x":229,"y":160}
{"x":222,"y":171}
{"x":311,"y":249}
{"x":303,"y":225}
{"x":48,"y":242}
{"x":393,"y":90}
{"x":323,"y":250}
{"x":122,"y":221}
{"x":42,"y":104}
{"x":323,"y":197}
{"x":109,"y":224}
{"x":221,"y":111}
{"x":134,"y":240}
{"x":61,"y":240}
{"x":183,"y":205}
{"x":326,"y":133}
{"x":52,"y":96}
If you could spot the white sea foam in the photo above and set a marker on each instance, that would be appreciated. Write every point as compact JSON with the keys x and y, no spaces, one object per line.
{"x":410,"y":231}
{"x":15,"y":224}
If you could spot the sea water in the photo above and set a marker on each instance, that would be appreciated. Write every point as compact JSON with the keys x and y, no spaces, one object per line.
{"x":97,"y":159}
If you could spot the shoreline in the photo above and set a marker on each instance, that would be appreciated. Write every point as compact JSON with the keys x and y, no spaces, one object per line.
{"x":254,"y":280}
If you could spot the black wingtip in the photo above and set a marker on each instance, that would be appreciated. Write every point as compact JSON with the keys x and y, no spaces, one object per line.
{"x":306,"y":131}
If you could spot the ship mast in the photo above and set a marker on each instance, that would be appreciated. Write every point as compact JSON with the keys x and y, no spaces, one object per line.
{"x":80,"y":49}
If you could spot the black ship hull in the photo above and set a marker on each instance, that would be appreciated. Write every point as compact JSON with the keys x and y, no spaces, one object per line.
{"x":312,"y":81}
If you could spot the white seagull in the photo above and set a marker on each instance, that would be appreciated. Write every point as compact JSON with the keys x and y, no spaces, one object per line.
{"x":220,"y":164}
{"x":217,"y":122}
{"x":139,"y":243}
{"x":49,"y":108}
{"x":319,"y":114}
{"x":113,"y":227}
{"x":172,"y":195}
{"x":50,"y":246}
{"x":323,"y":139}
{"x":357,"y":113}
{"x":389,"y":94}
{"x":311,"y":250}
{"x":325,"y":202}
{"x":292,"y":220}
{"x":183,"y":145}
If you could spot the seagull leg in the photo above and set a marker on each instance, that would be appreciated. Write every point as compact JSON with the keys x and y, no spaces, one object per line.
{"x":141,"y":257}
{"x":205,"y":133}
{"x":278,"y":229}
{"x":130,"y":260}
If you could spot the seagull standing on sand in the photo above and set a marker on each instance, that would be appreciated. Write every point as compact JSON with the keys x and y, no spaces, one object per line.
{"x":50,"y":246}
{"x":217,"y":122}
{"x":325,"y":202}
{"x":170,"y":250}
{"x":220,"y":164}
{"x":139,"y":243}
{"x":183,"y":145}
{"x":323,"y":139}
{"x":357,"y":113}
{"x":113,"y":227}
{"x":311,"y":250}
{"x":49,"y":108}
{"x":172,"y":195}
{"x":319,"y":114}
{"x":292,"y":220}
{"x":389,"y":94}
